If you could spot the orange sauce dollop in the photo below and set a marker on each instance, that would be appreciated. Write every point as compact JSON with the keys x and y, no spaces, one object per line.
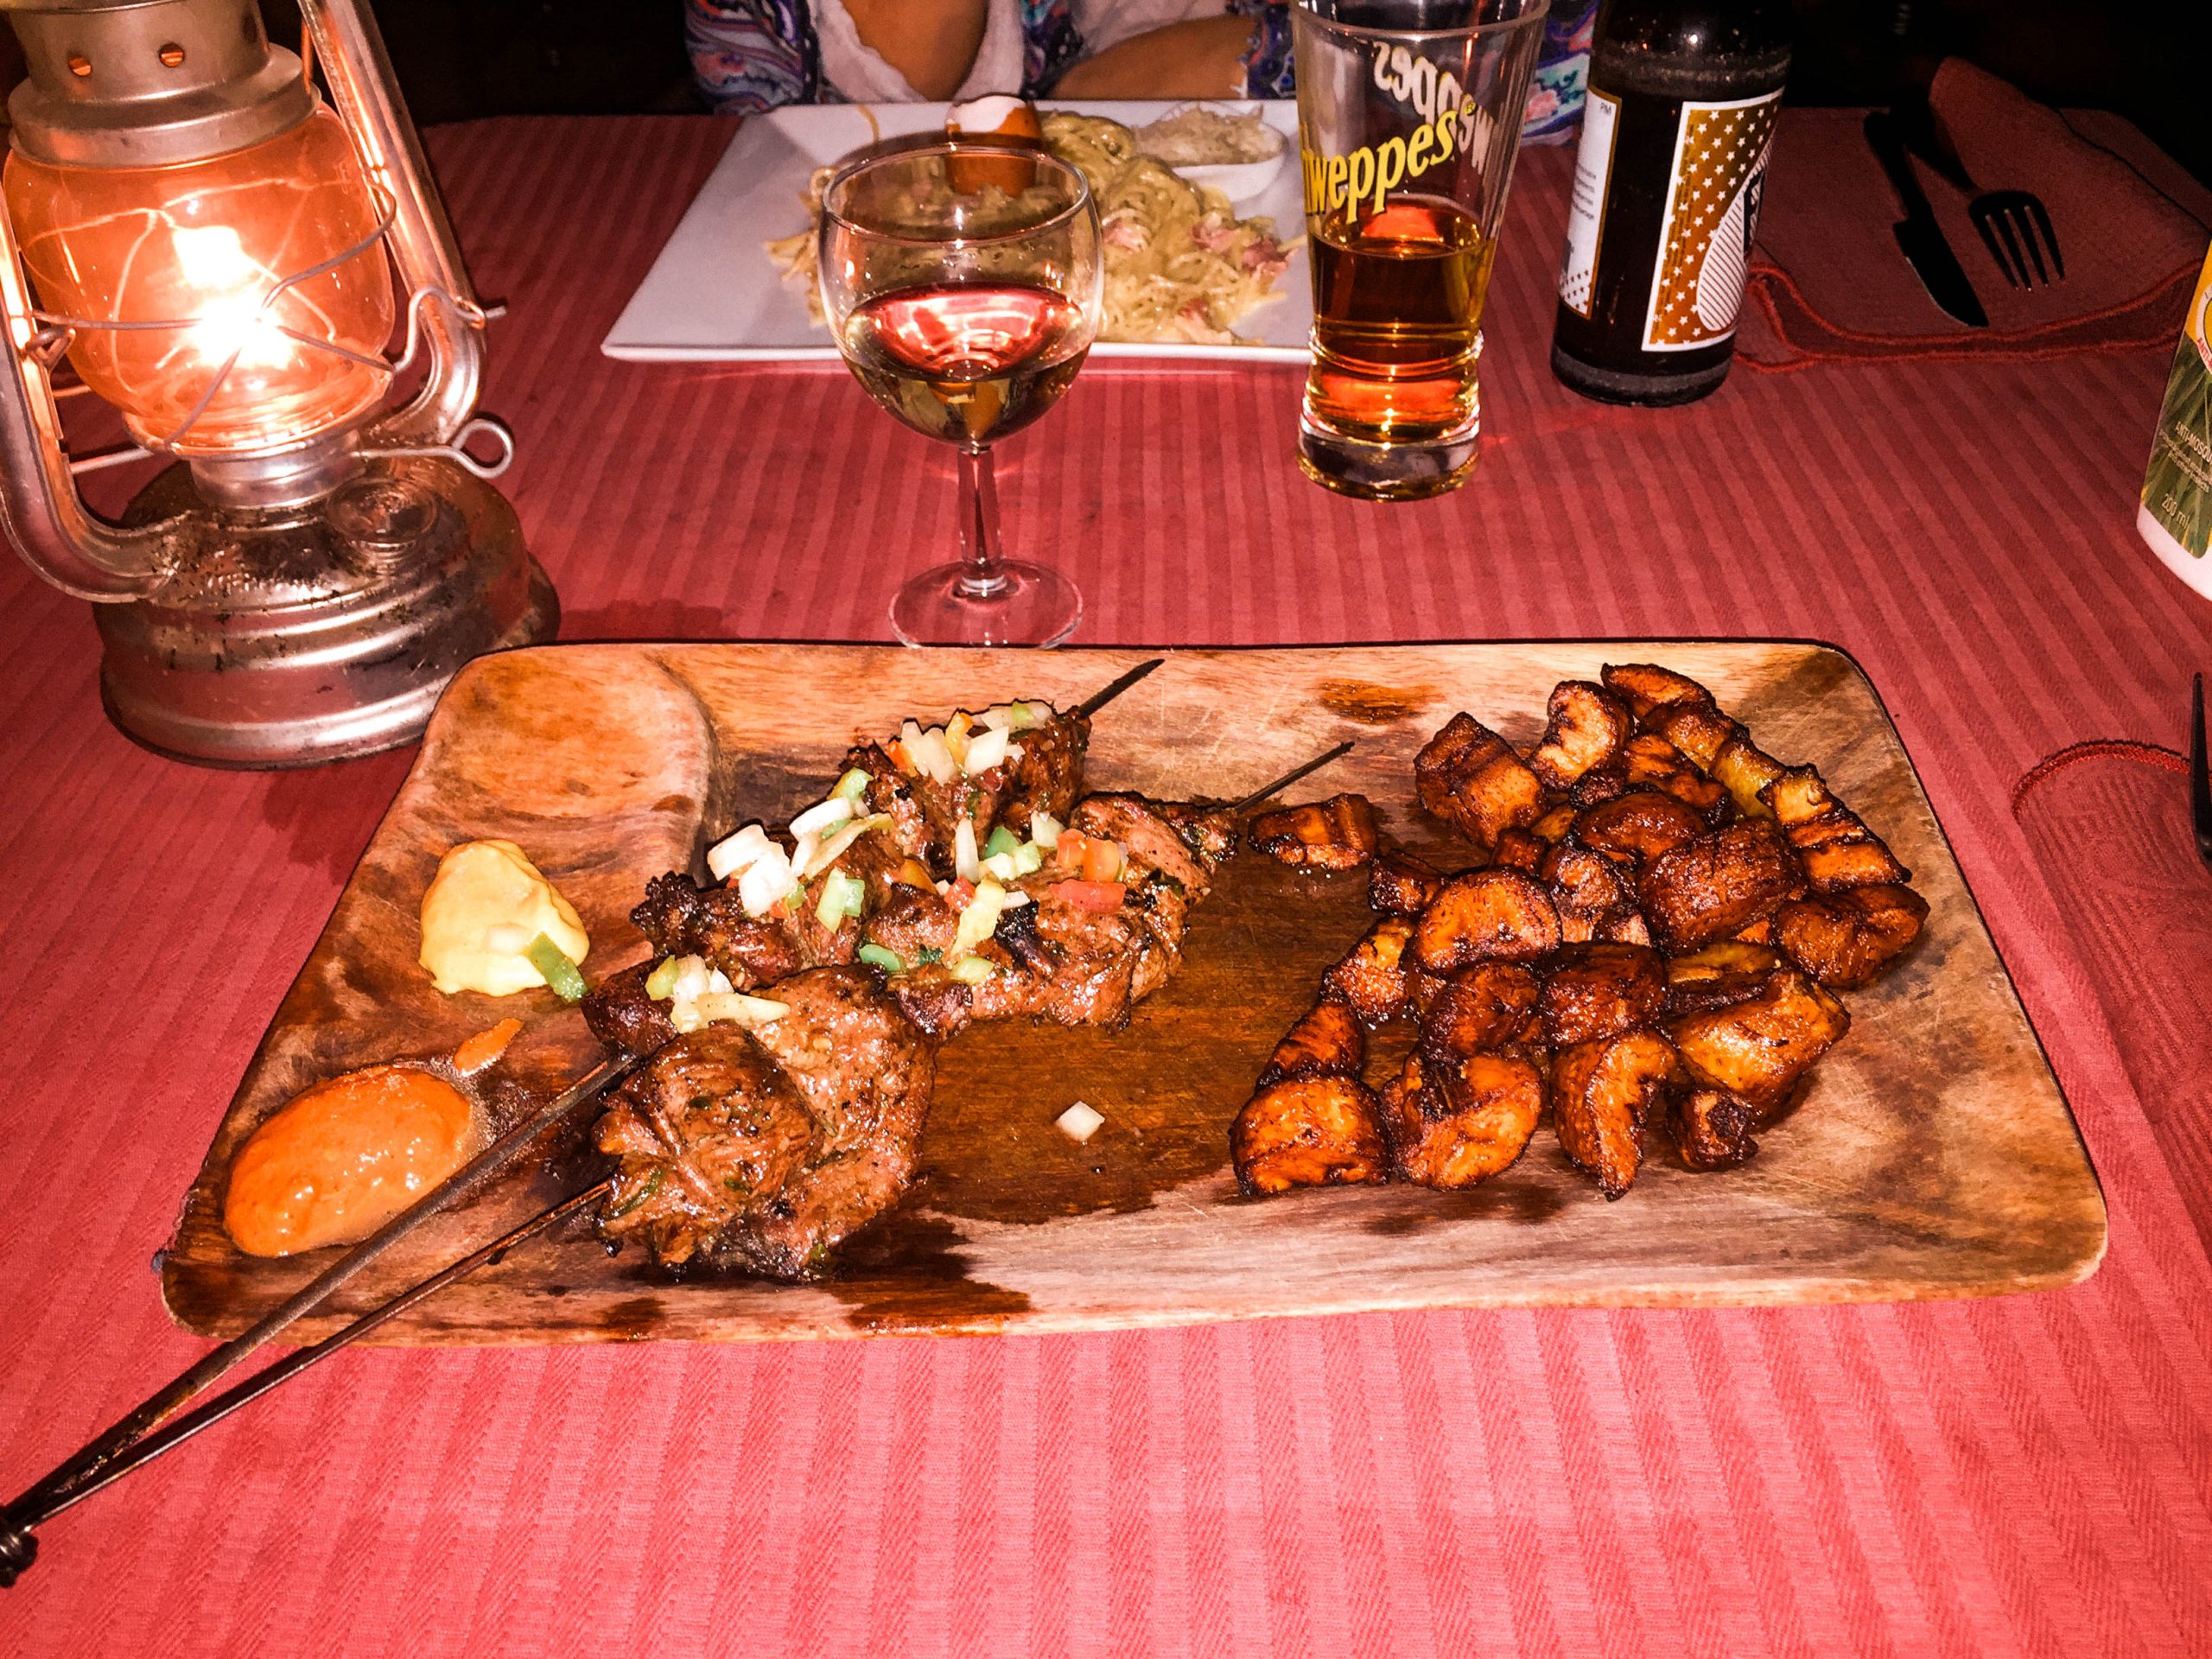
{"x":334,"y":1163}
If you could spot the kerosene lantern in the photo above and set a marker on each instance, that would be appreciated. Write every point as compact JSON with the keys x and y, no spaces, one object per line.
{"x":213,"y":248}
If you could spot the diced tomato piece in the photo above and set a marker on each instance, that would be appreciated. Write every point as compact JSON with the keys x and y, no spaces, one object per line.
{"x":1068,"y":855}
{"x":958,"y":894}
{"x":1102,"y":897}
{"x":898,"y":753}
{"x":1102,"y":859}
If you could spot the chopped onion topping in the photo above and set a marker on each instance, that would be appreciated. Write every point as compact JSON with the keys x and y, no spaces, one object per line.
{"x":965,"y":864}
{"x":820,"y":858}
{"x":1080,"y":1121}
{"x":1044,"y":829}
{"x":986,"y":751}
{"x":762,"y":885}
{"x":825,"y":815}
{"x":979,"y":919}
{"x":728,"y":856}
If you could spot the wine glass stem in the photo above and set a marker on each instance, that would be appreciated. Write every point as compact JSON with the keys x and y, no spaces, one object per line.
{"x":979,"y":527}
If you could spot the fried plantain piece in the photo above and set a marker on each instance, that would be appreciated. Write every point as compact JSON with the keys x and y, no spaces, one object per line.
{"x":1327,"y":1041}
{"x":1486,"y":1006}
{"x":1840,"y":851}
{"x":1371,"y":978}
{"x":1744,"y":769}
{"x":1400,"y":883}
{"x":1600,"y":991}
{"x":1518,"y":850}
{"x":1602,"y":1093}
{"x":1719,"y":976}
{"x":1337,"y":834}
{"x":1635,"y":829}
{"x":1552,"y":828}
{"x":1712,"y":1129}
{"x":1454,"y":1124}
{"x":1590,"y":893}
{"x":1844,"y":939}
{"x":1485,"y":916}
{"x":1709,"y":888}
{"x":1646,"y":686}
{"x":1698,"y":731}
{"x":1470,"y":777}
{"x":1758,"y":1048}
{"x":1588,"y":724}
{"x":1308,"y":1132}
{"x":1758,"y":933}
{"x":1649,"y":761}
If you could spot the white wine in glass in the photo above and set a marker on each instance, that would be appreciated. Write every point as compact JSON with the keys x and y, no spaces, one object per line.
{"x":962,"y":281}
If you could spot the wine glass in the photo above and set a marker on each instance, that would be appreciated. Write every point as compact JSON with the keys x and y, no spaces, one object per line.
{"x":963,"y":282}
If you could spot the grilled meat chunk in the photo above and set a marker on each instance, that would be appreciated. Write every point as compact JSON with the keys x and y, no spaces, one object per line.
{"x":1327,"y":1042}
{"x":1758,"y":1048}
{"x":1455,"y":1123}
{"x":1711,"y":888}
{"x":1176,"y":838}
{"x":1484,"y":915}
{"x":916,"y":925}
{"x":710,"y":1127}
{"x":1649,"y":761}
{"x":1400,"y":884}
{"x":891,"y":793}
{"x":1047,"y":775}
{"x":622,"y":1016}
{"x":1719,"y":976}
{"x":1588,"y":725}
{"x":1838,"y":850}
{"x":1373,"y":979}
{"x":1844,"y":939}
{"x":684,"y":919}
{"x":1633,"y":829}
{"x":1308,"y":1132}
{"x":1486,"y":1006}
{"x":1337,"y":834}
{"x":866,"y":1075}
{"x":1592,"y":895}
{"x":1712,"y":1129}
{"x":1596,"y":991}
{"x":1470,"y":777}
{"x":1602,"y":1093}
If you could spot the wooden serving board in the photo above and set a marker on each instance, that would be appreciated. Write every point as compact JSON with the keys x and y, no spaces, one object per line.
{"x":1934,"y":1156}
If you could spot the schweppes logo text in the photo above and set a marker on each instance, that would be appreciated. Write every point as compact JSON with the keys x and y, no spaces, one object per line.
{"x":1363,"y":179}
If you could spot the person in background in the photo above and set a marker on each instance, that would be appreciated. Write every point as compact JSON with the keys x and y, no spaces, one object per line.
{"x":751,"y":55}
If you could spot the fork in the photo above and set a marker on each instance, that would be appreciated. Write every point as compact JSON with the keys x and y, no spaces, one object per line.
{"x":2200,"y":779}
{"x":2017,"y":231}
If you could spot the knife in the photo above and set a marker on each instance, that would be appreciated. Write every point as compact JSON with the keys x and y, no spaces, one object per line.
{"x":1919,"y":236}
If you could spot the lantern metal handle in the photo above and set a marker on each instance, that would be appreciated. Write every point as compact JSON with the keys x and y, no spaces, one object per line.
{"x":362,"y":85}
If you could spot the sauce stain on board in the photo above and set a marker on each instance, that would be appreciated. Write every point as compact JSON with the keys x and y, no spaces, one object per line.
{"x":1366,"y":703}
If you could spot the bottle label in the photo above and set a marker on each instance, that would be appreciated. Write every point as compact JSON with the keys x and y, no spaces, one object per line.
{"x":1586,"y":215}
{"x":1712,"y":213}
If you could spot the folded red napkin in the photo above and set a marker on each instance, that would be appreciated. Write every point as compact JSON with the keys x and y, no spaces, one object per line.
{"x":1822,"y":287}
{"x":2109,"y":826}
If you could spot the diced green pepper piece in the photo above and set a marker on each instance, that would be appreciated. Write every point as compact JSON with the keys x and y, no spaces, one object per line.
{"x":1001,"y":841}
{"x":878,"y":956}
{"x":852,"y":786}
{"x":971,"y":971}
{"x":1028,"y":858}
{"x":660,"y":984}
{"x":560,"y":973}
{"x":843,"y":895}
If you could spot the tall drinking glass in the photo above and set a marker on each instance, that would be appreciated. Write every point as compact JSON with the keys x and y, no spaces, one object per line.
{"x":962,"y":282}
{"x":1408,"y":120}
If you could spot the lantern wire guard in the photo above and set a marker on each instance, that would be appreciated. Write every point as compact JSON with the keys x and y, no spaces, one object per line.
{"x":293,"y":601}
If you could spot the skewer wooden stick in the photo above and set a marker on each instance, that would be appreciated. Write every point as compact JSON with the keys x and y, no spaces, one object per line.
{"x":1292,"y":777}
{"x":1102,"y":698}
{"x":471,"y":1177}
{"x":19,"y":1547}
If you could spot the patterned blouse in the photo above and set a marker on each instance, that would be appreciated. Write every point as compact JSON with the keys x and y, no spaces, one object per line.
{"x":751,"y":55}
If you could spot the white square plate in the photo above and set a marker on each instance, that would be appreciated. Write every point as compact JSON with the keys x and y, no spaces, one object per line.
{"x":715,"y":297}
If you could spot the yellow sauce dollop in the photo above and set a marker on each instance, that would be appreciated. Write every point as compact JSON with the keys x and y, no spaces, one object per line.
{"x":334,"y":1163}
{"x":486,"y":904}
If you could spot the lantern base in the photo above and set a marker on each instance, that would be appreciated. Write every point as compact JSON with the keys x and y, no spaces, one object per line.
{"x":292,"y":636}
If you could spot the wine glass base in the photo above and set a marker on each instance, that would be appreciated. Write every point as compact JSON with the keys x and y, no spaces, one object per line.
{"x":1031,"y":606}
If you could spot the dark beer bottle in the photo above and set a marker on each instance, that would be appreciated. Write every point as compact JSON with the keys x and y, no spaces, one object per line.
{"x":1676,"y":133}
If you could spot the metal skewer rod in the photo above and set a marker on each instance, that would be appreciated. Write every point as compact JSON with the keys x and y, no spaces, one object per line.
{"x":18,"y":1549}
{"x":1292,"y":777}
{"x":1102,"y":698}
{"x":470,"y":1178}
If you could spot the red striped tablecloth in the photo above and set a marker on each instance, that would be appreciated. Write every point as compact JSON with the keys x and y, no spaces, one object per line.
{"x":2031,"y":1475}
